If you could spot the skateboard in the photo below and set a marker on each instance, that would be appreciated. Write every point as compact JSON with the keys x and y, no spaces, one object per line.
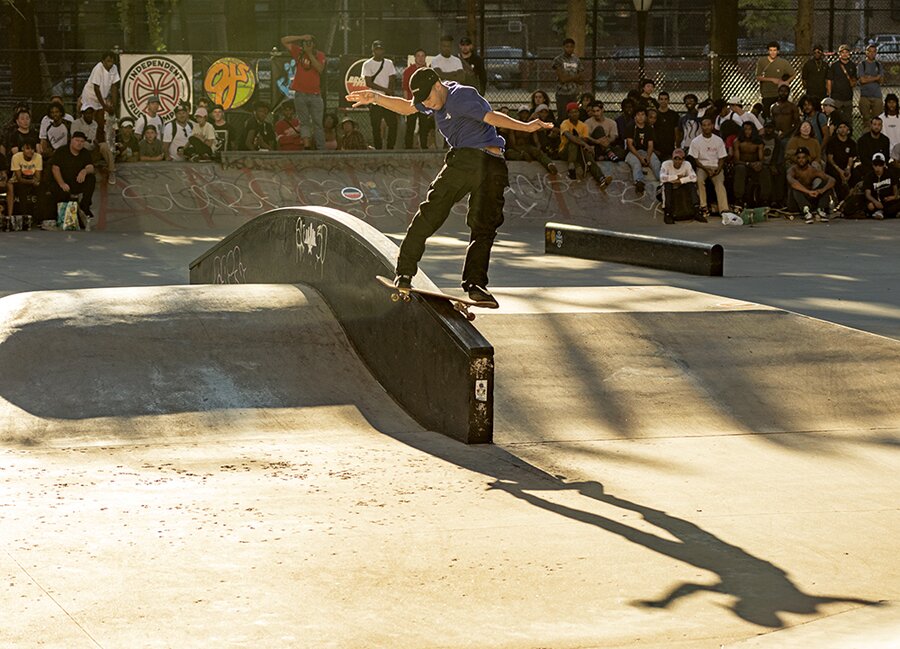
{"x":461,"y":304}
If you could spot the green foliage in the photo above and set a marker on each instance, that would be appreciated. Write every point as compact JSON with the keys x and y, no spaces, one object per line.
{"x":558,"y":24}
{"x":154,"y":16}
{"x":767,"y":18}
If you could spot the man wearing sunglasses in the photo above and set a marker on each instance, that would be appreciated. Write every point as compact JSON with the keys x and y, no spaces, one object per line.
{"x":177,"y":134}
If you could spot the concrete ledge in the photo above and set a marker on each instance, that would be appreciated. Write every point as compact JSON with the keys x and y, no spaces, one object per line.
{"x":427,"y":356}
{"x":691,"y":257}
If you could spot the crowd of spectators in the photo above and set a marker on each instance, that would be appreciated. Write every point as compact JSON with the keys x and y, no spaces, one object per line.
{"x":715,"y":156}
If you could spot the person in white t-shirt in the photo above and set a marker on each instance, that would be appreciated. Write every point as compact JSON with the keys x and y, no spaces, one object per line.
{"x":101,"y":92}
{"x":708,"y":150}
{"x":679,"y":187}
{"x":381,"y":75}
{"x":448,"y":66}
{"x":150,"y":115}
{"x":55,"y":133}
{"x":203,"y":138}
{"x":177,"y":134}
{"x":47,"y":119}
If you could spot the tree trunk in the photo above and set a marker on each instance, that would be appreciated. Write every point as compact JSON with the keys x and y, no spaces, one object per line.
{"x":576,"y":24}
{"x":723,"y":32}
{"x":803,"y":27}
{"x":26,"y":69}
{"x":472,"y":23}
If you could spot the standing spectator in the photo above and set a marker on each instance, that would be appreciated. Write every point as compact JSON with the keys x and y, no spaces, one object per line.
{"x":772,"y":70}
{"x":814,"y":72}
{"x":73,"y":173}
{"x":351,"y":138}
{"x":841,"y":80}
{"x":203,"y":138}
{"x":689,"y":123}
{"x":708,"y":150}
{"x":870,"y":75}
{"x":24,"y":175}
{"x":882,"y":190}
{"x":810,"y":187}
{"x":473,"y":65}
{"x":127,"y":144}
{"x":748,"y":154}
{"x":56,"y":132}
{"x":177,"y":133}
{"x":307,"y":85}
{"x":425,"y":123}
{"x":841,"y":156}
{"x":679,"y":188}
{"x":258,"y":132}
{"x":639,"y":144}
{"x":448,"y":66}
{"x":381,"y":75}
{"x":890,"y":119}
{"x":150,"y":115}
{"x":150,"y":146}
{"x":870,"y":143}
{"x":287,"y":129}
{"x":101,"y":92}
{"x":569,"y":75}
{"x":666,"y":128}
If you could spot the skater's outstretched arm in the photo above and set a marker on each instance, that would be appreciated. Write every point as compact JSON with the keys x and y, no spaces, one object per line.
{"x":500,"y":120}
{"x":396,"y":104}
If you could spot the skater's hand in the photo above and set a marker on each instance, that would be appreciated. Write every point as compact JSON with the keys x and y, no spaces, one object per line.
{"x":361,"y":98}
{"x":537,"y":125}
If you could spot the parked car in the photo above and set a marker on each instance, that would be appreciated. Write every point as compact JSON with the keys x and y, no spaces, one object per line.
{"x":507,"y":67}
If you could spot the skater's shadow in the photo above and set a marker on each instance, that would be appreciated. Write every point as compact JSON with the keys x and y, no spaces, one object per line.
{"x":762,"y":591}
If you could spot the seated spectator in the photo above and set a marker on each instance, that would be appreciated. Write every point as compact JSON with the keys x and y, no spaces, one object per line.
{"x":150,"y":146}
{"x":56,"y":132}
{"x":882,"y":190}
{"x":679,"y":189}
{"x":584,"y":106}
{"x":541,"y":98}
{"x":258,"y":132}
{"x":890,"y":119}
{"x":24,"y":176}
{"x":833,"y":115}
{"x":20,"y":132}
{"x":708,"y":151}
{"x":810,"y":187}
{"x":689,"y":123}
{"x":748,"y":158}
{"x":804,"y":139}
{"x":177,"y":133}
{"x":639,"y":144}
{"x":203,"y":138}
{"x":665,"y":129}
{"x":773,"y":166}
{"x":73,"y":173}
{"x":647,"y":100}
{"x":150,"y":115}
{"x":225,"y":133}
{"x":577,"y":151}
{"x":87,"y":125}
{"x":598,"y":119}
{"x":548,"y":139}
{"x":524,"y":146}
{"x":809,"y":112}
{"x":351,"y":138}
{"x":870,"y":143}
{"x":287,"y":129}
{"x":624,"y":122}
{"x":127,"y":145}
{"x":841,"y":157}
{"x":330,"y":126}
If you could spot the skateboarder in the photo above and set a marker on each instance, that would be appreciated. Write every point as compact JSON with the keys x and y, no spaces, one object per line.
{"x":474,"y":166}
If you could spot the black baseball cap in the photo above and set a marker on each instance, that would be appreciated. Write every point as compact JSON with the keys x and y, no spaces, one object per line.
{"x":79,"y":134}
{"x":421,"y":82}
{"x":803,"y":150}
{"x":465,"y":40}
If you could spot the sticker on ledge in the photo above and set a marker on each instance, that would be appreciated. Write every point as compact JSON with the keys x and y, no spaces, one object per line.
{"x":481,"y":389}
{"x":352,"y":193}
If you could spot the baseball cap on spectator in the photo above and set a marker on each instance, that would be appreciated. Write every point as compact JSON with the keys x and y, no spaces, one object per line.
{"x":572,"y":105}
{"x":878,"y":157}
{"x":843,"y":46}
{"x":804,"y":150}
{"x":678,"y":153}
{"x":818,"y":48}
{"x":523,"y":109}
{"x":736,"y":101}
{"x":828,"y":101}
{"x":539,"y":108}
{"x":377,"y":44}
{"x":465,"y":40}
{"x":421,"y":83}
{"x":153,"y":98}
{"x":201,"y":112}
{"x":79,"y":134}
{"x":126,"y":121}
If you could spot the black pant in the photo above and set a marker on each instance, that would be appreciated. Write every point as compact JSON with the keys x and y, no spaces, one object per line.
{"x":376,"y":114}
{"x":86,"y":189}
{"x":196,"y":146}
{"x":426,"y":124}
{"x":465,"y":171}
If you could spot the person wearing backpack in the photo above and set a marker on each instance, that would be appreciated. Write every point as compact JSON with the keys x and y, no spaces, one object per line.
{"x":870,"y":75}
{"x":381,"y":75}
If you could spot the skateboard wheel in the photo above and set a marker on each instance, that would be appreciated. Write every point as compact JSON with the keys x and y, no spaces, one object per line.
{"x":406,"y":297}
{"x":395,"y":297}
{"x":470,"y":317}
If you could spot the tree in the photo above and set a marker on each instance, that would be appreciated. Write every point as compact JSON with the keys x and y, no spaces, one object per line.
{"x":576,"y":23}
{"x":23,"y":41}
{"x":803,"y":27}
{"x":723,"y":32}
{"x":767,"y":19}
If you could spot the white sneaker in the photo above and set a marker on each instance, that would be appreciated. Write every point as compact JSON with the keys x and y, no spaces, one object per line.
{"x":821,"y":215}
{"x":807,"y":215}
{"x":878,"y":214}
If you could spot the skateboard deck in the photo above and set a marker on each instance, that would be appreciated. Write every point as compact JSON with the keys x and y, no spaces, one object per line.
{"x":459,"y":303}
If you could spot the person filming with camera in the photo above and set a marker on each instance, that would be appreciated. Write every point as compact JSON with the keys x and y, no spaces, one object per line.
{"x":307,"y":86}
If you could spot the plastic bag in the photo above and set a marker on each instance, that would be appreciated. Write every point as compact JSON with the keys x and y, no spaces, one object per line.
{"x":67,"y":216}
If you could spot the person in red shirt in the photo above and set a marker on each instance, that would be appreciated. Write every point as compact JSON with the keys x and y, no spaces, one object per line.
{"x":425,"y":122}
{"x":307,"y":85}
{"x":288,"y":130}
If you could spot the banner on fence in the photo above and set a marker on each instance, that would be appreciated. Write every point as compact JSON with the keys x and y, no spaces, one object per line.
{"x":167,"y":76}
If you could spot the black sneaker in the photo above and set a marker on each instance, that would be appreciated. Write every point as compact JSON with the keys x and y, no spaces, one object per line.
{"x":639,"y":188}
{"x":668,"y":219}
{"x":572,"y":174}
{"x":481,"y":294}
{"x":403,"y":281}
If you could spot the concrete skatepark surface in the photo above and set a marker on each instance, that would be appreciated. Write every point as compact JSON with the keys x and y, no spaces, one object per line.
{"x":671,"y":467}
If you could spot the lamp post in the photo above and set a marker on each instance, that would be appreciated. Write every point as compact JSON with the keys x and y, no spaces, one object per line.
{"x":642,"y":7}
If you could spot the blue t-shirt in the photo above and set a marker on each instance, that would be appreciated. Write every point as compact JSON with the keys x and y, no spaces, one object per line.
{"x":461,"y":120}
{"x":867,"y":69}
